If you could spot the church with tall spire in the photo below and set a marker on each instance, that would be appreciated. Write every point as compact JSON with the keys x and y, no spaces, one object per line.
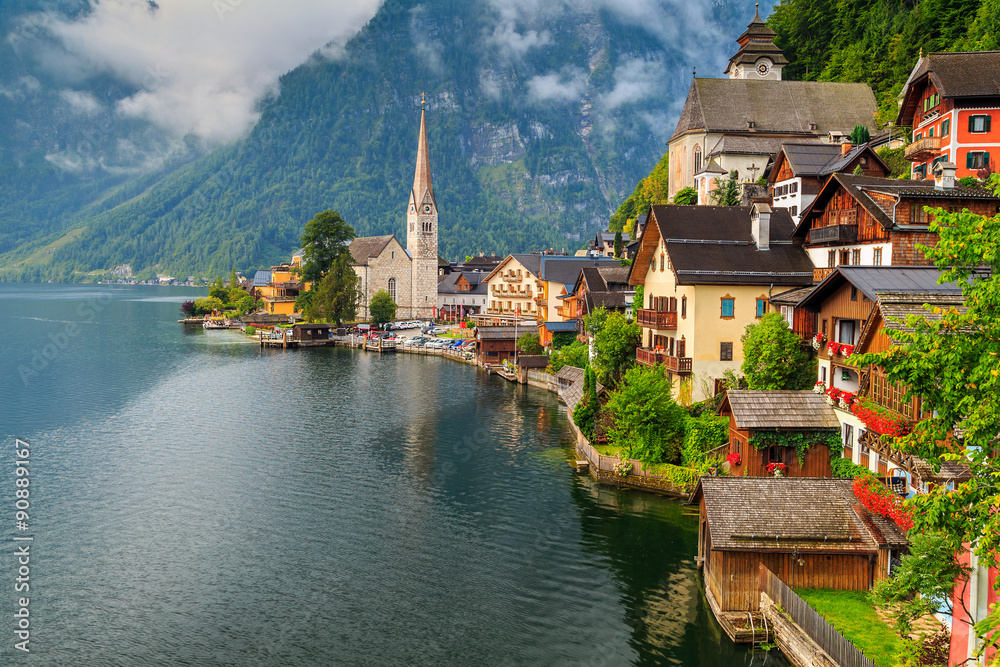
{"x":409,"y":274}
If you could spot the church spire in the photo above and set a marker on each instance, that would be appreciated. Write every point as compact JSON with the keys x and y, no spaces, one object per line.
{"x":422,"y":176}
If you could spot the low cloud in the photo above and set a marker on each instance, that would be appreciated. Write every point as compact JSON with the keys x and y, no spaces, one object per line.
{"x":80,"y":102}
{"x":567,"y":85}
{"x":199,"y":68}
{"x":634,"y":80}
{"x":427,"y":49}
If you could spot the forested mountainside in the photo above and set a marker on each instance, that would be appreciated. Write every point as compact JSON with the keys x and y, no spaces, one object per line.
{"x":876,"y":42}
{"x":539,"y":125}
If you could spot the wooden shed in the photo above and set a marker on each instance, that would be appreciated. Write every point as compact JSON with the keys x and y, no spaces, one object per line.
{"x":811,"y":533}
{"x":309,"y":332}
{"x":773,"y":416}
{"x":498,"y":344}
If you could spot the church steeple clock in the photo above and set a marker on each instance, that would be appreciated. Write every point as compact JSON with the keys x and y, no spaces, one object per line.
{"x":758,"y":56}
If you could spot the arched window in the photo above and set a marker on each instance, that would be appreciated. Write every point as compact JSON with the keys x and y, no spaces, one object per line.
{"x":428,"y":227}
{"x":697,"y":159}
{"x":392,"y":288}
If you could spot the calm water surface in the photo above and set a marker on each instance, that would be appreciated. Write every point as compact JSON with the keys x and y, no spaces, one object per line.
{"x":198,"y":502}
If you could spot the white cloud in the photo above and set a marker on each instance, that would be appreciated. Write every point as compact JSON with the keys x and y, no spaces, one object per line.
{"x":80,"y":102}
{"x":20,"y":88}
{"x":201,"y":67}
{"x":634,"y":80}
{"x":490,"y":86}
{"x":567,"y":85}
{"x":427,"y":49}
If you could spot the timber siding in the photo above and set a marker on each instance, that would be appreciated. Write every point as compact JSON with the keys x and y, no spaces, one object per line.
{"x":843,"y":209}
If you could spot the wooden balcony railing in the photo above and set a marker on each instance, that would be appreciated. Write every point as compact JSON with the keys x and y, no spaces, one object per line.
{"x":648,"y":357}
{"x":923,"y":149}
{"x":820,"y":274}
{"x":656,"y":319}
{"x":511,"y":279}
{"x":679,"y":365}
{"x":834,"y":234}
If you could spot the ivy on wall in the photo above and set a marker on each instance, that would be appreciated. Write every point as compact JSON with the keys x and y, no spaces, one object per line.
{"x":800,"y":440}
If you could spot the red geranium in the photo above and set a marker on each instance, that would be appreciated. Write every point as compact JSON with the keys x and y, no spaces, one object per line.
{"x":879,"y":419}
{"x":734,"y":459}
{"x":834,"y":347}
{"x":777,"y":469}
{"x":880,"y":500}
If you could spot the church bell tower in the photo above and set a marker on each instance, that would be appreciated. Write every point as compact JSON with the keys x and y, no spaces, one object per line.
{"x":422,"y":227}
{"x":759,"y":57}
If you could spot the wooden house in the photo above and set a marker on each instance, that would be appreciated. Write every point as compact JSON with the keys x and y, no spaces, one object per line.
{"x":811,"y":533}
{"x":498,"y":344}
{"x":526,"y":362}
{"x":311,"y":332}
{"x":860,"y":220}
{"x":768,"y":416}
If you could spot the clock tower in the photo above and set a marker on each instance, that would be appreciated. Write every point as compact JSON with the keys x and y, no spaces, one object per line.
{"x":422,"y":228}
{"x":758,"y":57}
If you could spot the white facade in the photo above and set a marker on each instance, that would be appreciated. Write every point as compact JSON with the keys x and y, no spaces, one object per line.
{"x":788,"y":194}
{"x":861,"y":254}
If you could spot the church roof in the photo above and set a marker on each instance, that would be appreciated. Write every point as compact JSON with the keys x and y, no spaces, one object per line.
{"x":808,"y":108}
{"x":735,"y":144}
{"x":365,"y":247}
{"x":422,"y":175}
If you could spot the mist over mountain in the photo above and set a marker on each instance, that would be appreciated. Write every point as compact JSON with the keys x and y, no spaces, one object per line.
{"x":193,"y":140}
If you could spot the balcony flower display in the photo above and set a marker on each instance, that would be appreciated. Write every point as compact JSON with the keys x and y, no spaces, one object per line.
{"x":878,"y":499}
{"x":818,"y":340}
{"x":820,"y":387}
{"x":840,"y":397}
{"x":847,"y":350}
{"x":879,"y":419}
{"x":833,"y":347}
{"x":776,"y":469}
{"x":734,"y":459}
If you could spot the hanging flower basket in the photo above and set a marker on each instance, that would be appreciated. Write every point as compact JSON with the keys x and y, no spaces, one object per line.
{"x":818,"y":340}
{"x":734,"y":459}
{"x":776,"y":469}
{"x":820,"y":387}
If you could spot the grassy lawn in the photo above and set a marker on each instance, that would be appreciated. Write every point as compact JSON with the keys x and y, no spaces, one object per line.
{"x":853,"y":616}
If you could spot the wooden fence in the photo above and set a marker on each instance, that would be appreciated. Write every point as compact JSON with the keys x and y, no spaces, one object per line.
{"x":842,"y":651}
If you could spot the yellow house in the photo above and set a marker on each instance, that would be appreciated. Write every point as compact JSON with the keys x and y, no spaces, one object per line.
{"x":282,"y":287}
{"x":535,"y":283}
{"x":707,"y":272}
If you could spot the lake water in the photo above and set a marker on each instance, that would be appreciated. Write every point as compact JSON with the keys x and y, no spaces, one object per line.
{"x":196,"y":501}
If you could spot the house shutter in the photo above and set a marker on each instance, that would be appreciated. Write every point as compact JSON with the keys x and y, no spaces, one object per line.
{"x":988,"y":123}
{"x":968,"y":157}
{"x":986,"y":160}
{"x":972,"y":123}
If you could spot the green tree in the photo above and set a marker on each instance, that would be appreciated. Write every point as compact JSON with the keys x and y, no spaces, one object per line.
{"x":575,"y":354}
{"x":948,"y":358}
{"x":615,"y":346}
{"x":588,"y":407}
{"x":324,"y":240}
{"x":648,"y":192}
{"x":336,"y":295}
{"x":529,"y":344}
{"x":728,"y":191}
{"x":640,"y":295}
{"x":619,"y":244}
{"x":594,"y":321}
{"x":218,"y":290}
{"x":561,"y":339}
{"x":860,"y":135}
{"x":648,"y":425}
{"x":686,"y":196}
{"x":382,"y":308}
{"x":207,"y":304}
{"x":773,"y":357}
{"x":899,"y":166}
{"x":701,"y":434}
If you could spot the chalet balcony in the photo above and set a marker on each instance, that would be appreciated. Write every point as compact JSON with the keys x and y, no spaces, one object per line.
{"x":656,"y":319}
{"x":820,"y":274}
{"x":541,"y":300}
{"x":922,"y":150}
{"x":648,"y":357}
{"x":288,"y":285}
{"x":834,"y":234}
{"x":679,"y":365}
{"x":511,"y":279}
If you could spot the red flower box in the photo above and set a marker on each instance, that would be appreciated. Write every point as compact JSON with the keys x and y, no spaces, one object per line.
{"x":877,"y":499}
{"x":879,"y":419}
{"x":734,"y":459}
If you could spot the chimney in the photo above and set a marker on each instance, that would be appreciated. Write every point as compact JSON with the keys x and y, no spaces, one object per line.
{"x":944,"y":176}
{"x":760,"y":224}
{"x":846,"y":147}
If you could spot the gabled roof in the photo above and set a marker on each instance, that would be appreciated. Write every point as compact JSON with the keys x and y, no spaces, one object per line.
{"x":612,"y":300}
{"x":819,"y":159}
{"x":954,"y":74}
{"x":570,"y":374}
{"x":572,"y":394}
{"x":609,"y":237}
{"x":532,"y":361}
{"x":791,"y":297}
{"x":565,"y":269}
{"x":449,"y":283}
{"x":796,"y":410}
{"x":734,"y":144}
{"x":776,"y":107}
{"x":714,"y":244}
{"x":365,"y":247}
{"x":261,"y":278}
{"x":862,"y":187}
{"x":505,"y":332}
{"x":870,"y":280}
{"x":783,"y":514}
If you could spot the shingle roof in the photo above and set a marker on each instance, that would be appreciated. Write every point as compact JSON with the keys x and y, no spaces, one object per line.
{"x":819,"y":159}
{"x":449,"y":283}
{"x":572,"y":394}
{"x":364,"y":247}
{"x":726,"y":105}
{"x":783,"y":514}
{"x":950,"y":471}
{"x":792,"y":296}
{"x":532,"y":361}
{"x":734,"y":143}
{"x":781,"y":410}
{"x":901,"y":305}
{"x":870,"y":280}
{"x":954,"y":74}
{"x":610,"y":299}
{"x":714,"y":244}
{"x":570,"y":374}
{"x":564,"y":269}
{"x":561,"y":326}
{"x":505,"y":332}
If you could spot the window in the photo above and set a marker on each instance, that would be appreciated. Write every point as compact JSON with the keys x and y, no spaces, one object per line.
{"x":877,"y":257}
{"x":697,"y":159}
{"x":661,"y":261}
{"x":392,"y":255}
{"x":392,"y":288}
{"x":728,"y":307}
{"x":846,"y":332}
{"x":831,"y":258}
{"x":979,"y":123}
{"x":918,"y":136}
{"x":726,"y":352}
{"x":918,"y":216}
{"x":822,"y":374}
{"x":845,"y":257}
{"x":945,"y":127}
{"x":684,"y":306}
{"x":856,"y":256}
{"x":930,"y":132}
{"x":681,"y":345}
{"x":788,"y":314}
{"x":920,"y":171}
{"x":977,"y":159}
{"x":794,"y":187}
{"x":848,"y":435}
{"x":854,"y":293}
{"x":761,"y":307}
{"x":793,"y":210}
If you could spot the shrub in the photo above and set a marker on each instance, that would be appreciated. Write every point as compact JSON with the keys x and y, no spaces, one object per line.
{"x":251,"y":329}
